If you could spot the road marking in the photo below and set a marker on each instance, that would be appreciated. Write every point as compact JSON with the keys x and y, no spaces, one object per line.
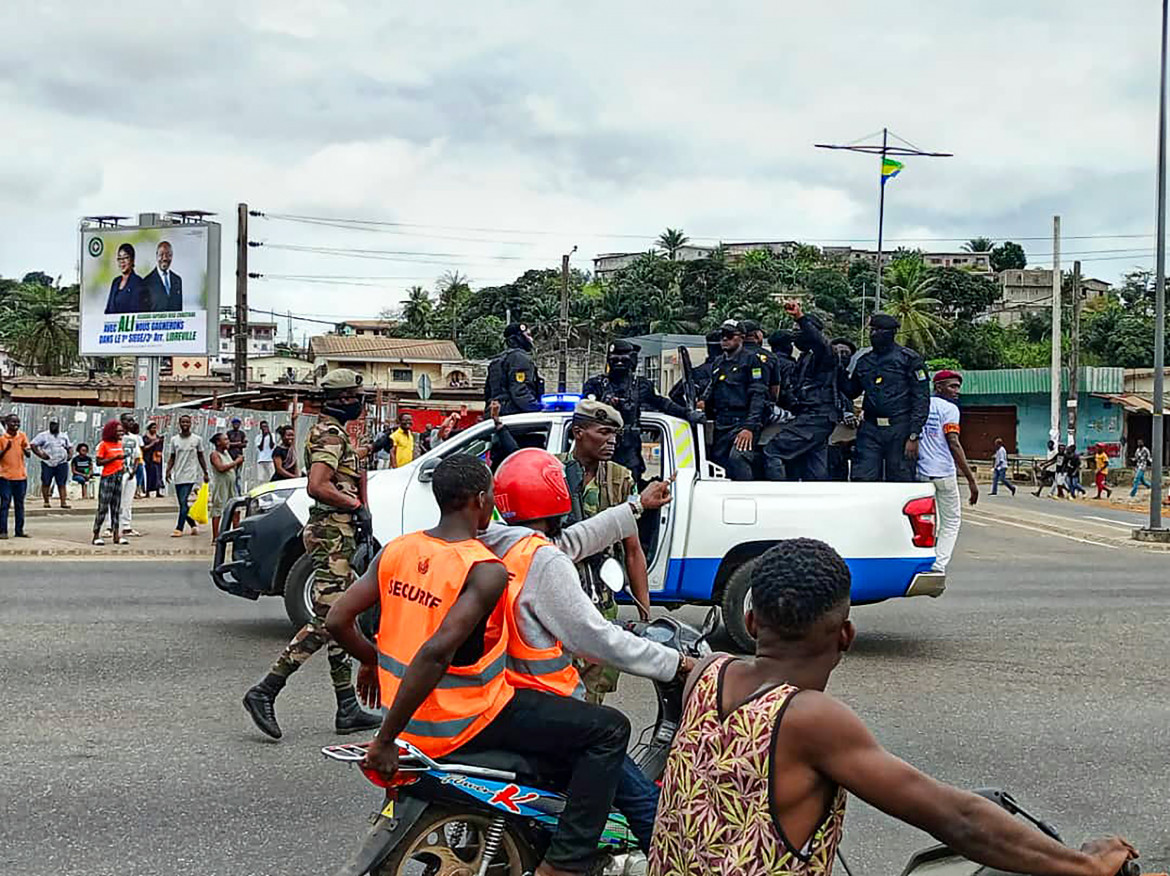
{"x":977,"y":523}
{"x":1113,"y":520}
{"x":1111,"y":547}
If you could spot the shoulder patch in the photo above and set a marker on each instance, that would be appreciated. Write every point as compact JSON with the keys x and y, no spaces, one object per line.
{"x":921,"y":375}
{"x":520,"y":377}
{"x":757,"y":373}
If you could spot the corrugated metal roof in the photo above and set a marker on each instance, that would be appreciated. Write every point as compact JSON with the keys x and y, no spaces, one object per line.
{"x":1026,"y":381}
{"x":405,"y":349}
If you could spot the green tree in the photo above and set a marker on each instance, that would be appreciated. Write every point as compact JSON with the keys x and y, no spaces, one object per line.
{"x":417,"y":313}
{"x":963,"y":295}
{"x":35,"y":327}
{"x":980,"y":345}
{"x":915,"y":307}
{"x":37,"y":278}
{"x":907,"y":269}
{"x":832,"y":293}
{"x":978,"y":244}
{"x":671,"y":241}
{"x":483,"y":337}
{"x":1007,"y":256}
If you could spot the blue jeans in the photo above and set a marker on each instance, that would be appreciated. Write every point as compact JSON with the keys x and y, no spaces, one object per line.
{"x":182,"y":495}
{"x":1000,"y":476}
{"x":12,"y":493}
{"x":1139,"y":480}
{"x":637,"y":799}
{"x":1074,"y":485}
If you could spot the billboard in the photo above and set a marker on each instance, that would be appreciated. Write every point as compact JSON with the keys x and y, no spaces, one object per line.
{"x":150,"y":290}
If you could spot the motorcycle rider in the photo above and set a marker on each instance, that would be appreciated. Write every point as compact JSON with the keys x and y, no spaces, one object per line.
{"x":789,"y":778}
{"x":439,"y":664}
{"x":512,"y":378}
{"x":551,"y":617}
{"x":627,"y":392}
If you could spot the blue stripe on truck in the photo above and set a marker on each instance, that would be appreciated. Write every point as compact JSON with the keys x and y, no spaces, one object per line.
{"x":874,"y":578}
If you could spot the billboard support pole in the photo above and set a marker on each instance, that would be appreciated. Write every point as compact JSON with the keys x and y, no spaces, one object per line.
{"x":146,"y":368}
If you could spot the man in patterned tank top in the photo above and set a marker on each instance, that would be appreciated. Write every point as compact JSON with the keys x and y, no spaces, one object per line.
{"x":760,"y":769}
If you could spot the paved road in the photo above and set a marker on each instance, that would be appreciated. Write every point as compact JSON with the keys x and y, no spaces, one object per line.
{"x":126,"y":751}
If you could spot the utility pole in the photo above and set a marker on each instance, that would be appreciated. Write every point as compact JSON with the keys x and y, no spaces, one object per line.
{"x":1157,"y":448}
{"x":240,"y":369}
{"x":563,"y":364}
{"x":1074,"y":355}
{"x":1054,"y":396}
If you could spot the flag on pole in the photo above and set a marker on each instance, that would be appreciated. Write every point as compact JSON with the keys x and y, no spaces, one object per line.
{"x":890,"y":169}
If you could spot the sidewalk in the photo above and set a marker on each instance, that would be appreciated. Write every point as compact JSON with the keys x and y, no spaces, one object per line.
{"x":69,"y":533}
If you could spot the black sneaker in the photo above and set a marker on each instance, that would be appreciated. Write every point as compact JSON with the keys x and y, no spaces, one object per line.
{"x":352,"y":718}
{"x":261,"y":705}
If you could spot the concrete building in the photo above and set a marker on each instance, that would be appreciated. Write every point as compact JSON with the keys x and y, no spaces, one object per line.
{"x":381,"y":328}
{"x":280,"y":369}
{"x":1029,"y":290}
{"x":738,"y":250}
{"x":606,"y":264}
{"x":980,"y":262}
{"x":394,"y":364}
{"x":661,"y":362}
{"x":261,"y":342}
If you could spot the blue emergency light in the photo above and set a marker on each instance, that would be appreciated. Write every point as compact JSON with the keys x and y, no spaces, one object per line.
{"x":560,"y":401}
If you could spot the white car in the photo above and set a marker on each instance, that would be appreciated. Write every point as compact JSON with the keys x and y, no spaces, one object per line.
{"x":696,"y":547}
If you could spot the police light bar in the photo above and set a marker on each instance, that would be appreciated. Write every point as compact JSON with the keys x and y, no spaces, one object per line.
{"x":560,"y":401}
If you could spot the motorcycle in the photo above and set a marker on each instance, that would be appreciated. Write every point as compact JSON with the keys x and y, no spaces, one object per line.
{"x":493,"y":813}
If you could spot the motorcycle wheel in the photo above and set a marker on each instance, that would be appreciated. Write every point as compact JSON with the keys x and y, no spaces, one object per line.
{"x":450,"y":842}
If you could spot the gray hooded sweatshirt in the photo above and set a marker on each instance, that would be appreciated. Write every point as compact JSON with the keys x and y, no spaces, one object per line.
{"x":553,"y":608}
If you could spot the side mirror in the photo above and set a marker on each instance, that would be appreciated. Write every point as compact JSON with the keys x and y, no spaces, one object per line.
{"x":612,"y":575}
{"x":426,"y":471}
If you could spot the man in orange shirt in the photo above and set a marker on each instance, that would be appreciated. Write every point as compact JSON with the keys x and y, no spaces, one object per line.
{"x":14,"y":450}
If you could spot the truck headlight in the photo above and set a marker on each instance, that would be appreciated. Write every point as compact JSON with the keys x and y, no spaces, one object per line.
{"x":269,"y":500}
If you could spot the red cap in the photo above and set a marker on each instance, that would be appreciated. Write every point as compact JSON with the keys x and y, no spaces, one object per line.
{"x":530,"y":485}
{"x":946,"y":374}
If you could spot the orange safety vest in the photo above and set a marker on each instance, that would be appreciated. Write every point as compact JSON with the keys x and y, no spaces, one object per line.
{"x":419,"y":579}
{"x":547,"y":669}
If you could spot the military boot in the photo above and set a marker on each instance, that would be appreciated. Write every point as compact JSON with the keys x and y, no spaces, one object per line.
{"x":260,"y":703}
{"x":351,"y":717}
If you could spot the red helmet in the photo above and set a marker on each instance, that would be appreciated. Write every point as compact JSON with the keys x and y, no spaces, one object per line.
{"x":530,"y":485}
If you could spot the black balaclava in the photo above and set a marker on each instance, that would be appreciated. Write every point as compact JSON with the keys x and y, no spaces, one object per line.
{"x":516,"y":335}
{"x":714,"y":348}
{"x":621,"y":360}
{"x":883,"y":328}
{"x":343,"y":413}
{"x":781,"y":343}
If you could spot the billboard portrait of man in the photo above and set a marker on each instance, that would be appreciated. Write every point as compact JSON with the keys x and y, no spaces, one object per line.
{"x":164,"y":288}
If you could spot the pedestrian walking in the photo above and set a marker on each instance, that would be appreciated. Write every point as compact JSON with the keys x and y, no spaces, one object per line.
{"x":1141,"y":464}
{"x":1073,"y":472}
{"x":1044,"y":472}
{"x":999,"y":470}
{"x":82,"y":468}
{"x":940,"y":457}
{"x":53,"y":448}
{"x":224,"y":469}
{"x":265,"y":444}
{"x":1102,"y":461}
{"x":112,"y":458}
{"x":14,"y":451}
{"x":337,"y":519}
{"x":185,"y":466}
{"x":152,"y":454}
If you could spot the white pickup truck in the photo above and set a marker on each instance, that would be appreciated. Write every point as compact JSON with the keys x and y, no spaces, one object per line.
{"x":694,"y":547}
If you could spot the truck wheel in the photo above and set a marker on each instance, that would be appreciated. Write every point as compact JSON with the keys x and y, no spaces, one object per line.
{"x":735,"y":597}
{"x":298,"y":591}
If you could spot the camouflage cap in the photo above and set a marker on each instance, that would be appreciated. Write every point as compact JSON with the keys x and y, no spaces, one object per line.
{"x":590,"y":410}
{"x":341,"y":379}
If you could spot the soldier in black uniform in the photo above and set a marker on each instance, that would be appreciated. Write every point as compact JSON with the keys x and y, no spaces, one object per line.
{"x":736,"y":400}
{"x":781,"y":343}
{"x":512,"y":379}
{"x":621,"y":388}
{"x":701,"y":375}
{"x":799,"y":451}
{"x":753,"y":342}
{"x":897,"y":401}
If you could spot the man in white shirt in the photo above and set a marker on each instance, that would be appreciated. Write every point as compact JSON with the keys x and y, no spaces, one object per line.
{"x":265,"y":444}
{"x":54,"y":448}
{"x":999,"y":471}
{"x":939,"y":453}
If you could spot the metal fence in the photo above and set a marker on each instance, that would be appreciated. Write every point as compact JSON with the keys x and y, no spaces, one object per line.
{"x":84,"y":424}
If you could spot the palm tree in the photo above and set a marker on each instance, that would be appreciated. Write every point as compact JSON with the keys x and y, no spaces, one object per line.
{"x":978,"y":244}
{"x":914,"y":307}
{"x":671,"y":241}
{"x":417,"y":311}
{"x":36,"y":328}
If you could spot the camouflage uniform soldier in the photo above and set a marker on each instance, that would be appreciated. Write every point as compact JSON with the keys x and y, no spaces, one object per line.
{"x":596,"y":483}
{"x":330,"y":539}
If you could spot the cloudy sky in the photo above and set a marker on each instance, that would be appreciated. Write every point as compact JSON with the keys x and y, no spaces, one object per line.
{"x":499,"y":134}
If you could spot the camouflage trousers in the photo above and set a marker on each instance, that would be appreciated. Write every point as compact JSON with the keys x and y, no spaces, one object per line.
{"x":599,"y":679}
{"x":330,"y":542}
